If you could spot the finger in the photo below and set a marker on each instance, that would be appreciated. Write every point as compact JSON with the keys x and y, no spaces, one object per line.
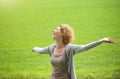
{"x":112,"y":41}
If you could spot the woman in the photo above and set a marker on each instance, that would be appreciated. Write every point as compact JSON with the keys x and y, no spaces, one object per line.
{"x":62,"y":52}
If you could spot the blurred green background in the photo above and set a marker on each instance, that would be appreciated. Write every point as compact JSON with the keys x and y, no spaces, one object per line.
{"x":25,"y":24}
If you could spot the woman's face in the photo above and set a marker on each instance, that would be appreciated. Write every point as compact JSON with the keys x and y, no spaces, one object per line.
{"x":57,"y":34}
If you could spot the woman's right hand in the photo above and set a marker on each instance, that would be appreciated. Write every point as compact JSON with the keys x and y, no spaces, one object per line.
{"x":108,"y":40}
{"x":35,"y":49}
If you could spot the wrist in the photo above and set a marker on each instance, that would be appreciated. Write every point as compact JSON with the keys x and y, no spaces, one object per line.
{"x":101,"y":40}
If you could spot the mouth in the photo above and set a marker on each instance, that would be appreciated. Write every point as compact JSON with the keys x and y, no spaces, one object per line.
{"x":53,"y":33}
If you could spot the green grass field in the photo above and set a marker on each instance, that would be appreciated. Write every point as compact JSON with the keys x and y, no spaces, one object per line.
{"x":25,"y":24}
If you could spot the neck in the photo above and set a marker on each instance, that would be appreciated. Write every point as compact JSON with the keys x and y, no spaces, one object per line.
{"x":60,"y":44}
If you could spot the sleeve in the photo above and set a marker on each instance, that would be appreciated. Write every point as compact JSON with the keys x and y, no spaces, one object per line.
{"x":81,"y":48}
{"x":39,"y":50}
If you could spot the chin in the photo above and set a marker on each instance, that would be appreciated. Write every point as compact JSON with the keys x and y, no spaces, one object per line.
{"x":53,"y":37}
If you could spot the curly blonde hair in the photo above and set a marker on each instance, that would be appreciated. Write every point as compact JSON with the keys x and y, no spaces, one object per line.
{"x":68,"y":34}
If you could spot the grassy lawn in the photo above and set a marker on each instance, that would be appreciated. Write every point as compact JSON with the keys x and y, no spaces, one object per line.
{"x":25,"y":24}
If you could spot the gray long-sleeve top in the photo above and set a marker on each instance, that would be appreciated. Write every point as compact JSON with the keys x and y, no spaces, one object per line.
{"x":70,"y":50}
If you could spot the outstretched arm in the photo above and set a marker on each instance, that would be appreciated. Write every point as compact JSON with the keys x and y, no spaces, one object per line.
{"x":81,"y":48}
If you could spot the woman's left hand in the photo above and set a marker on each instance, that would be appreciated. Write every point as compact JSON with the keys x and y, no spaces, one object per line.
{"x":108,"y":40}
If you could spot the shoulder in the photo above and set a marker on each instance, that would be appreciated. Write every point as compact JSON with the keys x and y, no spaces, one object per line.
{"x":70,"y":45}
{"x":52,"y":46}
{"x":69,"y":50}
